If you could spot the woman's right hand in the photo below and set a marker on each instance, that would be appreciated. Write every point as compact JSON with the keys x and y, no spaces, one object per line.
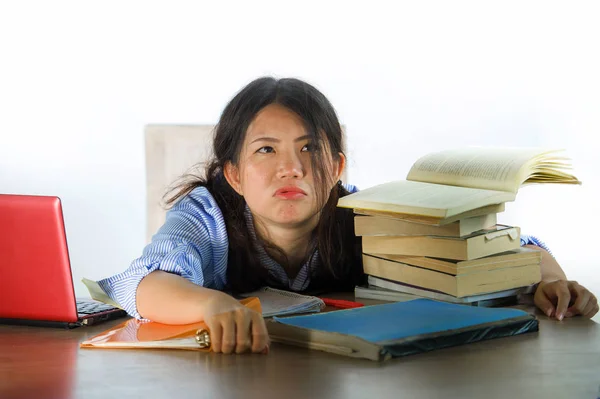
{"x":234,"y":328}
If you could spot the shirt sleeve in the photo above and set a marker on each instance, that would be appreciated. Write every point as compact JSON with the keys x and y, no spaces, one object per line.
{"x":192,"y":243}
{"x":351,"y":188}
{"x":531,"y":240}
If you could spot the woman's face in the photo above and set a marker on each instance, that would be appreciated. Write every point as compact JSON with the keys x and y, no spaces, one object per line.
{"x":274,"y":171}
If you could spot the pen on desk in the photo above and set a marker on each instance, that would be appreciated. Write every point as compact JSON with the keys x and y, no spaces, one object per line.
{"x":341,"y":303}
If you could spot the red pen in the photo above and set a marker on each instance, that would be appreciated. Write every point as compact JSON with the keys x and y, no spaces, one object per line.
{"x":341,"y":303}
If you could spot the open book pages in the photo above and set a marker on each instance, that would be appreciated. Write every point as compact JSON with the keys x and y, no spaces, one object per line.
{"x":450,"y":183}
{"x":276,"y":302}
{"x":493,"y":168}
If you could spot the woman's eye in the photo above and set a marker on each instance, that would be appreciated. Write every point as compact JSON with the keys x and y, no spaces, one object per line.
{"x":265,"y":150}
{"x":308,"y":148}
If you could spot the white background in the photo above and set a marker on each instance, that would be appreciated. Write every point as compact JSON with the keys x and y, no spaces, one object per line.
{"x":78,"y":82}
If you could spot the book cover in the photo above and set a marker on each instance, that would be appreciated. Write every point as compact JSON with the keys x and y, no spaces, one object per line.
{"x":424,"y":199}
{"x":381,"y":332}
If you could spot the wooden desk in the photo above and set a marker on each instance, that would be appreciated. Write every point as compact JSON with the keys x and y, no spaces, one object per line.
{"x":562,"y":360}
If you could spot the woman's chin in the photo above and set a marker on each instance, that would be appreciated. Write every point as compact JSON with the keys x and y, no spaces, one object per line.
{"x":293,"y":217}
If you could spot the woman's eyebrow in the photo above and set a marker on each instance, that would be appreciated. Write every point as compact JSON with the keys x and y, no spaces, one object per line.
{"x":301,"y":138}
{"x":276,"y":140}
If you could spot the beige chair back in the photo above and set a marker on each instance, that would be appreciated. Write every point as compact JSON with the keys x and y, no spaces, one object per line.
{"x":171,"y":150}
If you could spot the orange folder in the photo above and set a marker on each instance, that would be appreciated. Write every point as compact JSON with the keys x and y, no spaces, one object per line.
{"x":135,"y":334}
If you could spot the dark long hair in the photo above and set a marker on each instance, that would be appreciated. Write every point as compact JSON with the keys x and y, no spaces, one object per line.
{"x":339,"y":249}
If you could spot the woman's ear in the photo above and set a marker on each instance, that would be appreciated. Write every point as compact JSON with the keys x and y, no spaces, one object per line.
{"x":341,"y":166}
{"x":232,"y":175}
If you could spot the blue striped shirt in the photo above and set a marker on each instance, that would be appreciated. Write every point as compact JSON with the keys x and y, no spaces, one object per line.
{"x":193,"y":243}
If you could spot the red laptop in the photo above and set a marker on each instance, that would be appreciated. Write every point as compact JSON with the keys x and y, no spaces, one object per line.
{"x":36,"y":285}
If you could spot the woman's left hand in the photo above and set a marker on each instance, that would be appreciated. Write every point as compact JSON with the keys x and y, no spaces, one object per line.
{"x":562,"y":298}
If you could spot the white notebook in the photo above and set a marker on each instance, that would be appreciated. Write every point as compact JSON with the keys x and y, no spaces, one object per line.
{"x":276,"y":302}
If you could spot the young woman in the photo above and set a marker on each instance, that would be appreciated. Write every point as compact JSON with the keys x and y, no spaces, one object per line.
{"x":265,"y":214}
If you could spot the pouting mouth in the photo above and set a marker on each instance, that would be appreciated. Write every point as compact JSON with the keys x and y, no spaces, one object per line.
{"x":290,"y":190}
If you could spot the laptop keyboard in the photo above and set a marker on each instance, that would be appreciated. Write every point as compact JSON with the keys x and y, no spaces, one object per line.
{"x":84,"y":307}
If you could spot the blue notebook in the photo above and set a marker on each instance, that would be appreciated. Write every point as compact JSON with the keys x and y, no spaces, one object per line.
{"x":384,"y":331}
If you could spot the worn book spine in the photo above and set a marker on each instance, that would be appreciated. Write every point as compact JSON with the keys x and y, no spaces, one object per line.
{"x":377,"y":283}
{"x":379,"y":226}
{"x":434,"y":221}
{"x":458,"y":286}
{"x":518,"y":257}
{"x":472,"y":247}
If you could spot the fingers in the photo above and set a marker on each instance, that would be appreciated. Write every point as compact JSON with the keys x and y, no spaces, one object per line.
{"x":222,"y":333}
{"x":541,"y":301}
{"x":229,"y":335}
{"x":591,"y":308}
{"x":243,"y":336}
{"x":238,"y":331}
{"x":582,"y":298}
{"x":216,"y":333}
{"x":563,"y":295}
{"x":260,"y":336}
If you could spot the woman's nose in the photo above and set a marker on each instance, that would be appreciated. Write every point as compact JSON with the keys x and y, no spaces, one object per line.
{"x":290,"y":166}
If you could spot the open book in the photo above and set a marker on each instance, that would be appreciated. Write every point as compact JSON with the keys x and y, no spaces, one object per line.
{"x":454,"y":182}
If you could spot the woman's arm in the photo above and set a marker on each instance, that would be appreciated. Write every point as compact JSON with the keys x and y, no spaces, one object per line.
{"x":550,"y":268}
{"x":171,"y":299}
{"x":192,"y":243}
{"x":178,"y":277}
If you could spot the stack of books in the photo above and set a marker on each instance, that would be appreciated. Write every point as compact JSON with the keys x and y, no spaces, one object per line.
{"x":436,"y":234}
